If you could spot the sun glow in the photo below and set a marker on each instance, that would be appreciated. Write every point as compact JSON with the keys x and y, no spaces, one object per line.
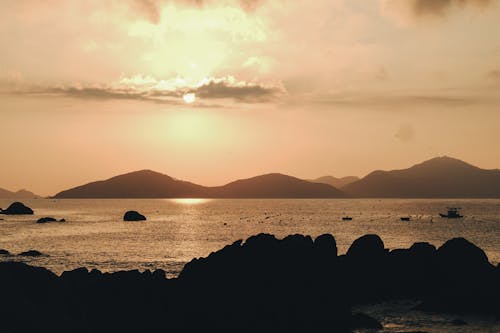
{"x":189,"y":98}
{"x":190,"y":201}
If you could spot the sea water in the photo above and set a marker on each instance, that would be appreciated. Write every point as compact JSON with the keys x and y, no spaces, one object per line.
{"x":177,"y":230}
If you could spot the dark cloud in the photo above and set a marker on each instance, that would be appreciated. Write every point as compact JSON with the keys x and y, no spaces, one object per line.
{"x":440,"y":7}
{"x":214,"y":89}
{"x":248,"y":93}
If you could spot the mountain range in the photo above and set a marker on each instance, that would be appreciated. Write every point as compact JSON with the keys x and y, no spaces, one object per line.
{"x":21,"y":194}
{"x":150,"y":184}
{"x":441,"y":177}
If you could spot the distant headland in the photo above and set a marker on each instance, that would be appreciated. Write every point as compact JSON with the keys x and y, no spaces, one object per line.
{"x":441,"y":177}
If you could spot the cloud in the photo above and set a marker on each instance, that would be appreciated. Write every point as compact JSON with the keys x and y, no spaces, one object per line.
{"x":402,"y":10}
{"x":151,"y":10}
{"x":440,"y":7}
{"x":391,"y":99}
{"x":170,"y":91}
{"x":243,"y":92}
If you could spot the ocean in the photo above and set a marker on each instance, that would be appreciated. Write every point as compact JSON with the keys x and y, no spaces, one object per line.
{"x":178,"y":230}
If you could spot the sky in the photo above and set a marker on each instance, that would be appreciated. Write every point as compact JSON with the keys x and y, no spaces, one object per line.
{"x":212,"y":91}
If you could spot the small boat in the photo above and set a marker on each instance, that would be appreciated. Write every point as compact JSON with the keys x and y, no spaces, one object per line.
{"x":453,"y":213}
{"x":346,"y":218}
{"x":405,"y":218}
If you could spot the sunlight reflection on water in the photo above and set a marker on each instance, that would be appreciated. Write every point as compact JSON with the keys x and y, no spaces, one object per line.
{"x":189,"y":201}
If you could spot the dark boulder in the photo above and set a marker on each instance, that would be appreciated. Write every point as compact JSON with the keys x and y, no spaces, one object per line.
{"x":463,"y":281}
{"x":422,"y":249}
{"x":62,"y":220}
{"x":364,"y":268}
{"x":4,"y":252}
{"x":17,"y":208}
{"x":458,"y":254}
{"x":30,"y":253}
{"x":366,"y":247}
{"x":132,"y":215}
{"x":326,"y":245}
{"x":46,"y":220}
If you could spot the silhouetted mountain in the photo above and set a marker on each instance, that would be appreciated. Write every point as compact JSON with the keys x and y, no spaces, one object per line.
{"x":275,"y":185}
{"x":21,"y":194}
{"x":139,"y":184}
{"x":334,"y":181}
{"x":149,"y":184}
{"x":441,"y":177}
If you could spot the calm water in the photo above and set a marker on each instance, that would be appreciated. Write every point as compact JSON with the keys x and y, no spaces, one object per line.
{"x":95,"y":236}
{"x":179,"y":230}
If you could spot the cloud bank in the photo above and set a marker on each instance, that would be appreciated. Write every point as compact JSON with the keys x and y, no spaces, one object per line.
{"x":171,"y":91}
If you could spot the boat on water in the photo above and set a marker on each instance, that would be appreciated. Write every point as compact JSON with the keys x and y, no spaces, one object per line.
{"x":346,"y":218}
{"x":453,"y":213}
{"x":405,"y":218}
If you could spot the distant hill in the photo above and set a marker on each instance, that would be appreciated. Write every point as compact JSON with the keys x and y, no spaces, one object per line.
{"x":138,"y":184}
{"x":441,"y":177}
{"x":334,"y":181}
{"x":275,"y":185}
{"x":21,"y":194}
{"x":150,"y":184}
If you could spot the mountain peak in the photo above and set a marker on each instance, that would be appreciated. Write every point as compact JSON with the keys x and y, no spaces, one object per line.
{"x":445,"y":162}
{"x":144,"y":172}
{"x":440,"y":177}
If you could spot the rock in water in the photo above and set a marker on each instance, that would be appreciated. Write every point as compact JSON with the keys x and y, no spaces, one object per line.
{"x":30,"y":253}
{"x":17,"y":208}
{"x":132,"y":215}
{"x":46,"y":220}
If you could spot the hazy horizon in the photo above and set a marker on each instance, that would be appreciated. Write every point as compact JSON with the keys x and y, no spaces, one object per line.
{"x":213,"y":91}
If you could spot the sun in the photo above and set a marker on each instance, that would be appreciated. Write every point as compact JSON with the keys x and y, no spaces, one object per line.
{"x":189,"y":98}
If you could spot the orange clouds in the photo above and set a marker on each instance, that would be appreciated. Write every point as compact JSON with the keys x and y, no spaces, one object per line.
{"x":308,"y":49}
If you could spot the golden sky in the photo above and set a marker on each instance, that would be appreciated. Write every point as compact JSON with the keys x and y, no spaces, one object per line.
{"x":210,"y":91}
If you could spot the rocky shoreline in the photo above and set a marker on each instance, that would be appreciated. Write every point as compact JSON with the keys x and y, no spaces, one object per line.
{"x":263,"y":284}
